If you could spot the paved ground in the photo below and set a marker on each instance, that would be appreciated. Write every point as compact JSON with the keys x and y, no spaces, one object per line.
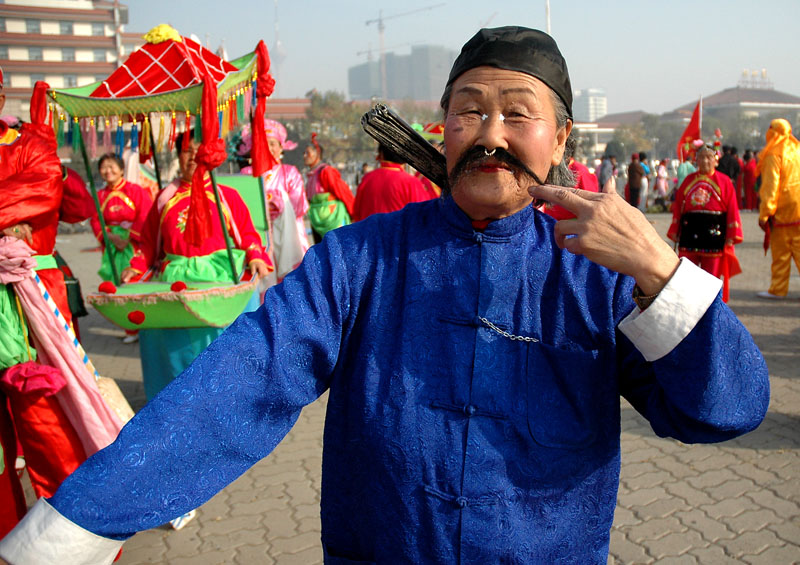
{"x":737,"y":502}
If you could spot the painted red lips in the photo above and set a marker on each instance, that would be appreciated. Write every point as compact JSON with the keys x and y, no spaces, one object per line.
{"x":492,"y":168}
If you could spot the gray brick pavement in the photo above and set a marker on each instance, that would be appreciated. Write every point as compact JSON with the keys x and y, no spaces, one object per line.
{"x":736,"y":502}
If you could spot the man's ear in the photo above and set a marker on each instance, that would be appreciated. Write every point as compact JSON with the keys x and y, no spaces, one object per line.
{"x":561,"y":143}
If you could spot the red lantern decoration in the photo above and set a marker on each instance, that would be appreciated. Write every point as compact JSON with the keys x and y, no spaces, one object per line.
{"x":107,"y":287}
{"x":136,"y":317}
{"x":177,"y":286}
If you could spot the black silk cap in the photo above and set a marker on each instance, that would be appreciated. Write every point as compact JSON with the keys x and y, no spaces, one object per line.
{"x":514,"y":48}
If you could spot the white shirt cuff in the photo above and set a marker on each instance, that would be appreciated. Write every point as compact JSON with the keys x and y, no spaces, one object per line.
{"x":674,"y":313}
{"x":44,"y":536}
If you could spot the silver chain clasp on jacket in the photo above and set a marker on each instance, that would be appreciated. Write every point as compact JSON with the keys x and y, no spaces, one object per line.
{"x":507,"y":335}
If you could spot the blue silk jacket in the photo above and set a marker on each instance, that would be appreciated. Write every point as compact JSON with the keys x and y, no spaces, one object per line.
{"x":474,"y":412}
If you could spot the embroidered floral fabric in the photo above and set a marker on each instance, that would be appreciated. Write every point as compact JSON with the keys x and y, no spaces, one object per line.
{"x":445,"y":441}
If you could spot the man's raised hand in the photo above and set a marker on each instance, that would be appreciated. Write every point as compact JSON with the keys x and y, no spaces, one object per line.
{"x":611,"y":233}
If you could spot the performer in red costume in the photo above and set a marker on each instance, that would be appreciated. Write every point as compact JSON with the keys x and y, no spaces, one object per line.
{"x":330,"y":199}
{"x":30,"y":197}
{"x":584,"y":180}
{"x":387,"y":188}
{"x":749,"y":177}
{"x":705,"y":194}
{"x":164,"y":247}
{"x":162,"y":241}
{"x":125,"y":206}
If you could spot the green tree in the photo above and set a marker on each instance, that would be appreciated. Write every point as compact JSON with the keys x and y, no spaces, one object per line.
{"x":663,"y":135}
{"x":632,"y":138}
{"x":617,"y":149}
{"x":338,"y":125}
{"x":584,"y":145}
{"x":414,"y":112}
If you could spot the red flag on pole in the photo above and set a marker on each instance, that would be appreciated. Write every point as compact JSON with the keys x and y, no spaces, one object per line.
{"x":691,"y":132}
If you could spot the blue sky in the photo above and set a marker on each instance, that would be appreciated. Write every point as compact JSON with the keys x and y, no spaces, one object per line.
{"x":652,"y":56}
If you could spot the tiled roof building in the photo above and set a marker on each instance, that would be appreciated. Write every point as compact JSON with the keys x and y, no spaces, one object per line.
{"x":751,"y":102}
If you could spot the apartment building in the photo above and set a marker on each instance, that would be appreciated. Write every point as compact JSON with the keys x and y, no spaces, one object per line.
{"x":66,"y":43}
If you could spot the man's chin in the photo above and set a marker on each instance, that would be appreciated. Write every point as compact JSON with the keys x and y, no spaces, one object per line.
{"x":489,"y":182}
{"x":482,"y":198}
{"x":492,"y":180}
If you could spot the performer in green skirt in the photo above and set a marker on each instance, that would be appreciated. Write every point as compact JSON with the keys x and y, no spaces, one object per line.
{"x":125,"y":206}
{"x":165,"y":247}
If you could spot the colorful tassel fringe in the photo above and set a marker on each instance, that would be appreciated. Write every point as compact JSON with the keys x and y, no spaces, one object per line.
{"x":120,"y":141}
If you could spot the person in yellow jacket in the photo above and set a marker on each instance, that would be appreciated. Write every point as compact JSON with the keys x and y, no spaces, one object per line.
{"x":779,"y":213}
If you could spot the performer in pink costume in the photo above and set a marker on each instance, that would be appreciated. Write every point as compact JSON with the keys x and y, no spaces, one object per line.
{"x":283,"y":185}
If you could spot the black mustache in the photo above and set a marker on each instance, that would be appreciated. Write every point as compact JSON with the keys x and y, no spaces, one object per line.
{"x":478,"y":155}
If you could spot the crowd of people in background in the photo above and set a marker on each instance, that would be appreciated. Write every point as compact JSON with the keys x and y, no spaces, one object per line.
{"x":303,"y":207}
{"x":655,"y":181}
{"x":720,"y":184}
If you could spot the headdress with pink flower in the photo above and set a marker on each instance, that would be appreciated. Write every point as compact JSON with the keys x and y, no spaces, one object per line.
{"x":274,"y":129}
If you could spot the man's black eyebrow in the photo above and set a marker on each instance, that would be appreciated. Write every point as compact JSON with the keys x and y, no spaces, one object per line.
{"x":468,"y":90}
{"x":518,"y":90}
{"x":477,"y":91}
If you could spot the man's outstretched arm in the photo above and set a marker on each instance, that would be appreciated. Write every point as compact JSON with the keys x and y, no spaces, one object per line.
{"x":227,"y":411}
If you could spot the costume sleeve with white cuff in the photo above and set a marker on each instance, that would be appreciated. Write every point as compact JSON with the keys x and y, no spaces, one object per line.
{"x":674,"y":313}
{"x":695,"y":354}
{"x":44,"y":536}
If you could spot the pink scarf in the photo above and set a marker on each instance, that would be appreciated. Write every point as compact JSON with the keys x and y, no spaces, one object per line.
{"x":94,"y":421}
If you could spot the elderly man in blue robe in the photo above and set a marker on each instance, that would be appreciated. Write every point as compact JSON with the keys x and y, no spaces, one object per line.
{"x":474,"y":349}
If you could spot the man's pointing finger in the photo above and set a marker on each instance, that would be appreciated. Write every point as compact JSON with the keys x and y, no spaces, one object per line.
{"x":611,"y":186}
{"x":569,"y":198}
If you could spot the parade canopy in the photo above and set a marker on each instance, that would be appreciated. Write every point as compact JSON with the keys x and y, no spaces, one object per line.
{"x":170,"y":74}
{"x":164,"y":75}
{"x":162,"y":67}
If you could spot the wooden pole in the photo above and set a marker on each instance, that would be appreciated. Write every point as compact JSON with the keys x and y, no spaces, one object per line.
{"x":109,"y":248}
{"x":266,"y":211}
{"x":226,"y":235}
{"x":155,"y":158}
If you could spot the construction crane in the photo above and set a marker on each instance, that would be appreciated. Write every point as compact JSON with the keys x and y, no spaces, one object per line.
{"x":381,"y":27}
{"x":487,"y":21}
{"x":368,"y":51}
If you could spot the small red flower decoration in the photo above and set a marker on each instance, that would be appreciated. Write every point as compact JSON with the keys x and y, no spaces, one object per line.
{"x":107,"y":287}
{"x":177,"y":286}
{"x":136,"y":317}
